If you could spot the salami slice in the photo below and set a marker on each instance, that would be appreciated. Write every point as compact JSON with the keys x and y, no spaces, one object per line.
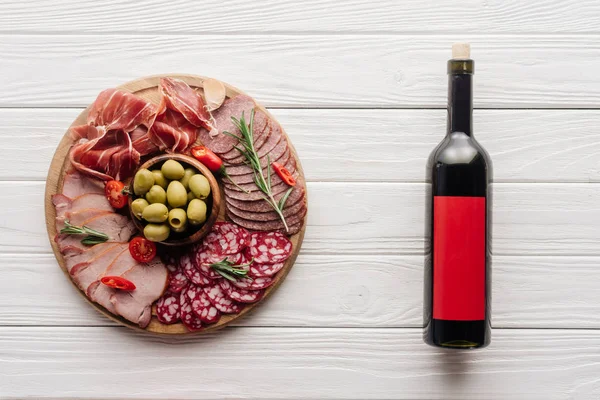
{"x":249,"y":283}
{"x":190,"y":271}
{"x":167,"y":309}
{"x":269,"y":248}
{"x":202,"y":306}
{"x":240,"y":295}
{"x":263,"y":270}
{"x":221,"y":301}
{"x":237,"y":259}
{"x":188,"y":317}
{"x":203,"y":260}
{"x":226,"y":238}
{"x":177,"y":281}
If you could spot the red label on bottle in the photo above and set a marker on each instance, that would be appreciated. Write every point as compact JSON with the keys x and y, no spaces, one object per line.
{"x":459,"y":258}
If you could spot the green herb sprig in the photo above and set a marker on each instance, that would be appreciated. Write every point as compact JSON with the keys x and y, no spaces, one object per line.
{"x":93,"y":236}
{"x":246,"y":142}
{"x":229,"y":270}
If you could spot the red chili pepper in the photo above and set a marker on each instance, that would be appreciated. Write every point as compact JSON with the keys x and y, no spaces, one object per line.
{"x":284,"y":174}
{"x":118,"y":282}
{"x":208,"y":158}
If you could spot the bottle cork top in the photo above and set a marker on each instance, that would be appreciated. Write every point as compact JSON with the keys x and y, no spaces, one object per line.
{"x":461,"y":51}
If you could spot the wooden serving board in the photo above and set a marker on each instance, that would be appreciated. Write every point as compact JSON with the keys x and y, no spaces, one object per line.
{"x":148,"y":88}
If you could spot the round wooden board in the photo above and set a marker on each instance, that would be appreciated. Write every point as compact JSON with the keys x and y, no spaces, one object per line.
{"x":147,"y":88}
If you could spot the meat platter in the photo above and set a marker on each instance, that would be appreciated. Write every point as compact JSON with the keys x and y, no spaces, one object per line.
{"x":175,"y":204}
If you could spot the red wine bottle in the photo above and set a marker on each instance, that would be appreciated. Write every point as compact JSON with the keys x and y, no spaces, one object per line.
{"x":458,"y":223}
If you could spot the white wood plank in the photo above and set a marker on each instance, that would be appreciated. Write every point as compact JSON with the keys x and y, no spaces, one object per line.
{"x":307,"y":70}
{"x":367,"y":145}
{"x":280,"y":363}
{"x":380,"y":218}
{"x":340,"y":291}
{"x":153,"y":16}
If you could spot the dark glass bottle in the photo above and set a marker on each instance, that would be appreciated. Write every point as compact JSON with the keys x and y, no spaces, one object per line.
{"x":458,"y":224}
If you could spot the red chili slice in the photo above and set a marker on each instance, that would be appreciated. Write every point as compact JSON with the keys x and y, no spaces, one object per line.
{"x":284,"y":174}
{"x":114,"y":193}
{"x":118,"y":282}
{"x":142,"y":249}
{"x":208,"y":158}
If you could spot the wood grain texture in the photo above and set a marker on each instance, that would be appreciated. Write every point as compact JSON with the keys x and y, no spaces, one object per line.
{"x":525,"y":145}
{"x":275,"y":363}
{"x":154,"y":16}
{"x":308,"y":70}
{"x":341,"y":291}
{"x":539,"y":219}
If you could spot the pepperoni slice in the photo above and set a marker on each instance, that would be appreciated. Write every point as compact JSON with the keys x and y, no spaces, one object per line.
{"x":190,"y":271}
{"x":249,"y":283}
{"x":177,"y":281}
{"x":201,"y":305}
{"x":269,"y":247}
{"x":221,"y":301}
{"x":264,"y":270}
{"x":167,"y":309}
{"x":188,"y":317}
{"x":240,"y":295}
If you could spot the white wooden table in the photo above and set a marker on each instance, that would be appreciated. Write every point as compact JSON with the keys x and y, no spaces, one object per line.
{"x":360,"y":86}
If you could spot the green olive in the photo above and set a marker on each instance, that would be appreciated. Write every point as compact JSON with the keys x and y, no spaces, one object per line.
{"x":156,"y":194}
{"x":188,"y":173}
{"x":157,"y":232}
{"x":159,"y":178}
{"x":178,"y":219}
{"x":142,"y":182}
{"x":196,"y":212}
{"x":171,"y":169}
{"x":138,"y":206}
{"x":176,"y":194}
{"x":190,"y":196}
{"x":200,"y":186}
{"x":156,"y":212}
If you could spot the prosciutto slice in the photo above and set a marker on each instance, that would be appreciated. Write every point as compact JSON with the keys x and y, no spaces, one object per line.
{"x":111,"y":156}
{"x":116,"y":109}
{"x":180,"y":97}
{"x":172,"y":132}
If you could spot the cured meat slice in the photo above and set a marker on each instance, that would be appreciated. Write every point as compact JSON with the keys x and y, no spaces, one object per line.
{"x":177,"y":281}
{"x":64,"y":204}
{"x":289,"y":164}
{"x":249,"y":283}
{"x":240,"y":295}
{"x":107,"y":157}
{"x":201,"y":305}
{"x":288,"y":211}
{"x":190,"y":271}
{"x":280,"y":154}
{"x":189,"y":319}
{"x":204,"y":258}
{"x":172,"y":132}
{"x":225,"y":238}
{"x":276,"y":182}
{"x":76,"y":184}
{"x":168,"y":309}
{"x":73,"y":259}
{"x":264,"y":270}
{"x":296,"y":195}
{"x":261,"y":132}
{"x":77,"y":218}
{"x":150,"y":280}
{"x":118,"y":227}
{"x":85,"y":273}
{"x":233,"y":107}
{"x":100,"y":293}
{"x":221,"y":301}
{"x":254,"y":195}
{"x":119,"y":110}
{"x":294,"y":223}
{"x":142,"y":143}
{"x":180,"y":97}
{"x":269,"y":247}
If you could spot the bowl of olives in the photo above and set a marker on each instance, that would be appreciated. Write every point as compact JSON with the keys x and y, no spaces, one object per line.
{"x":174,"y":199}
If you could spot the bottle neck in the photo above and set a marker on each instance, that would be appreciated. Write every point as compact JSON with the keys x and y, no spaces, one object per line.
{"x":460,"y":103}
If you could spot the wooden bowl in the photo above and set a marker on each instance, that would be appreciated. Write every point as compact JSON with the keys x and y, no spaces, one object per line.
{"x":214,"y":198}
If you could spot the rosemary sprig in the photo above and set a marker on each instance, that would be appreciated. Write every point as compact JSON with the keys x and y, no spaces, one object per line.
{"x":93,"y":236}
{"x":229,"y":270}
{"x":246,"y":142}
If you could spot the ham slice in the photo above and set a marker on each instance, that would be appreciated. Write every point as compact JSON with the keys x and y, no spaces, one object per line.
{"x":118,"y":228}
{"x":150,"y":281}
{"x":73,"y":259}
{"x":85,"y":273}
{"x":64,"y":204}
{"x":76,"y":184}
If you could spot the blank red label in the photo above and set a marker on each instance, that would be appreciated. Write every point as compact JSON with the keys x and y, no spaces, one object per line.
{"x":459,"y":258}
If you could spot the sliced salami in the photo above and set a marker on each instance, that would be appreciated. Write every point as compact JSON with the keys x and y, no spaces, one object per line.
{"x":269,"y":247}
{"x":201,"y":305}
{"x":240,"y":295}
{"x":264,"y":270}
{"x":167,"y":309}
{"x":226,"y":238}
{"x":202,"y":263}
{"x":294,"y":222}
{"x":262,"y":206}
{"x":177,"y":281}
{"x":221,"y":301}
{"x":237,"y":259}
{"x":249,"y":283}
{"x":191,"y":272}
{"x":191,"y":321}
